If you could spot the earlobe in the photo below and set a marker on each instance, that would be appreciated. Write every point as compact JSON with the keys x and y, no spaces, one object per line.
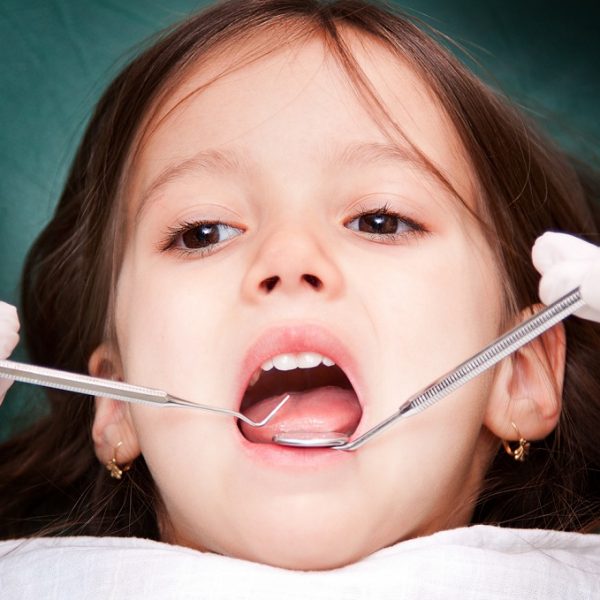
{"x":527,"y":388}
{"x":113,"y":428}
{"x":113,"y":425}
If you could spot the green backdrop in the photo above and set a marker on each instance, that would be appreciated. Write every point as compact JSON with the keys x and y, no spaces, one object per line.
{"x":58,"y":55}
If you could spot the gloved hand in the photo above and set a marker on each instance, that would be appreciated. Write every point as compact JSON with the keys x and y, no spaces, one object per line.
{"x":566,"y":262}
{"x":9,"y":338}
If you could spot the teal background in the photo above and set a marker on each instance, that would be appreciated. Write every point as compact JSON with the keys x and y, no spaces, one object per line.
{"x":58,"y":55}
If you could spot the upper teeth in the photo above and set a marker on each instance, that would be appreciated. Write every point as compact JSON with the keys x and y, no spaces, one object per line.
{"x":287,"y":362}
{"x":302,"y":360}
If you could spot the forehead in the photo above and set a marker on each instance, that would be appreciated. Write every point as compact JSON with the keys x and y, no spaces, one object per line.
{"x":270,"y":100}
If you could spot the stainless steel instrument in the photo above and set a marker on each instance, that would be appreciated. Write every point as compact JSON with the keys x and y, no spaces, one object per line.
{"x":95,"y":386}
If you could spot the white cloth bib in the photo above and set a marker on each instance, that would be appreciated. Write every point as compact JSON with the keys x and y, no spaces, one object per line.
{"x":479,"y":562}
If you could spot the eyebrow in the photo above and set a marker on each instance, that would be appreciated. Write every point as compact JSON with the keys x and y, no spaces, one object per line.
{"x":231,"y":162}
{"x":360,"y":154}
{"x":210,"y":161}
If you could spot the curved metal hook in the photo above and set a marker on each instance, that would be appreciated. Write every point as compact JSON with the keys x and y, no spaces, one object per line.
{"x":174,"y":401}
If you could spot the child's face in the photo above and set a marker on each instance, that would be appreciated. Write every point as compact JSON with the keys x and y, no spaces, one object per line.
{"x":296,"y":269}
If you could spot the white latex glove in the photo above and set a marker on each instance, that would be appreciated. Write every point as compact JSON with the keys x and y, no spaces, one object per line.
{"x":566,"y":262}
{"x":9,"y":338}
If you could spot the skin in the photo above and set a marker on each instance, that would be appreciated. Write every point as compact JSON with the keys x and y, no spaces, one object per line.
{"x":408,"y":309}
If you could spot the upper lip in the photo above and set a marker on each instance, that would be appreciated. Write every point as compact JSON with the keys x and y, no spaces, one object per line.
{"x":294,"y":338}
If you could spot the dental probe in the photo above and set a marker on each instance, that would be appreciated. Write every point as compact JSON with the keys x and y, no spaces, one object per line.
{"x":444,"y":385}
{"x":95,"y":386}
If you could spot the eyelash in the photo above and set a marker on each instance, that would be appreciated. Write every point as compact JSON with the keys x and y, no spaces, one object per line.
{"x":174,"y":233}
{"x":415,"y":227}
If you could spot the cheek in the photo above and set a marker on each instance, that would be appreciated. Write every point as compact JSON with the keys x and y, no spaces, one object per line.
{"x":181,"y":449}
{"x":170,"y":324}
{"x":443,"y":306}
{"x":438,"y":305}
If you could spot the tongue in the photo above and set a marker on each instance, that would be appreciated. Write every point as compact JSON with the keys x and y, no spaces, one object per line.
{"x":318,"y":410}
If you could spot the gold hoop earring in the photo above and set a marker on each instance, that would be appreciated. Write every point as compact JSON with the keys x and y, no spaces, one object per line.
{"x":116,"y":472}
{"x":521,"y":451}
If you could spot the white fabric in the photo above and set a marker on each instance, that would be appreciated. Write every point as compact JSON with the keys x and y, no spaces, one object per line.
{"x":479,"y":562}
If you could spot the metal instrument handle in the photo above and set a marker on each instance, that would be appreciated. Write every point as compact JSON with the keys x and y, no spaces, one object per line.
{"x":82,"y":384}
{"x":95,"y":386}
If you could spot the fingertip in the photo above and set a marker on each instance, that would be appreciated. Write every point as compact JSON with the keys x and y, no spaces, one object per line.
{"x":9,"y":313}
{"x":7,"y":309}
{"x":560,"y":279}
{"x":553,"y":248}
{"x":542,"y":254}
{"x":545,"y":290}
{"x":8,"y":342}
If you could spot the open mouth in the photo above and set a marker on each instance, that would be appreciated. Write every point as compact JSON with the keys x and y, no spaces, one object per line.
{"x":322,"y":397}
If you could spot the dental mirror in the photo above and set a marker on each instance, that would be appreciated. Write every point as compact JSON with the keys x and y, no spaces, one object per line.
{"x":311,"y":439}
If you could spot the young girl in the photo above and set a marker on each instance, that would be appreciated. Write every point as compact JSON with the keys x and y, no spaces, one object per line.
{"x":313,"y":197}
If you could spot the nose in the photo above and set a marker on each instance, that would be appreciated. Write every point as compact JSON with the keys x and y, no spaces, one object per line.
{"x":291,"y":263}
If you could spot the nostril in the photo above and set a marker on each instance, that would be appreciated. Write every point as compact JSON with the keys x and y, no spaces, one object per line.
{"x":269,"y":283}
{"x":313,"y":281}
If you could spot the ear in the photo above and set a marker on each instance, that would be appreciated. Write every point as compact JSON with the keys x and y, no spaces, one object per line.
{"x":112,"y":422}
{"x":527,"y":387}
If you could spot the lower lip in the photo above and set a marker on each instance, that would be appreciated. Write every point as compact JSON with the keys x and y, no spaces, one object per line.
{"x":275,"y":455}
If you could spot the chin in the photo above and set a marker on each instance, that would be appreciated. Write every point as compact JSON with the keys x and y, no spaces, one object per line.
{"x":322,"y":542}
{"x":305,"y":553}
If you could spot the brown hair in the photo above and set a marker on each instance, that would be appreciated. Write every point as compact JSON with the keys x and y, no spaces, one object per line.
{"x":50,"y":479}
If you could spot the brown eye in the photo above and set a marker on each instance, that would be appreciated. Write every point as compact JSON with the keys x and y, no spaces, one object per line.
{"x":380,"y":223}
{"x":204,"y":235}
